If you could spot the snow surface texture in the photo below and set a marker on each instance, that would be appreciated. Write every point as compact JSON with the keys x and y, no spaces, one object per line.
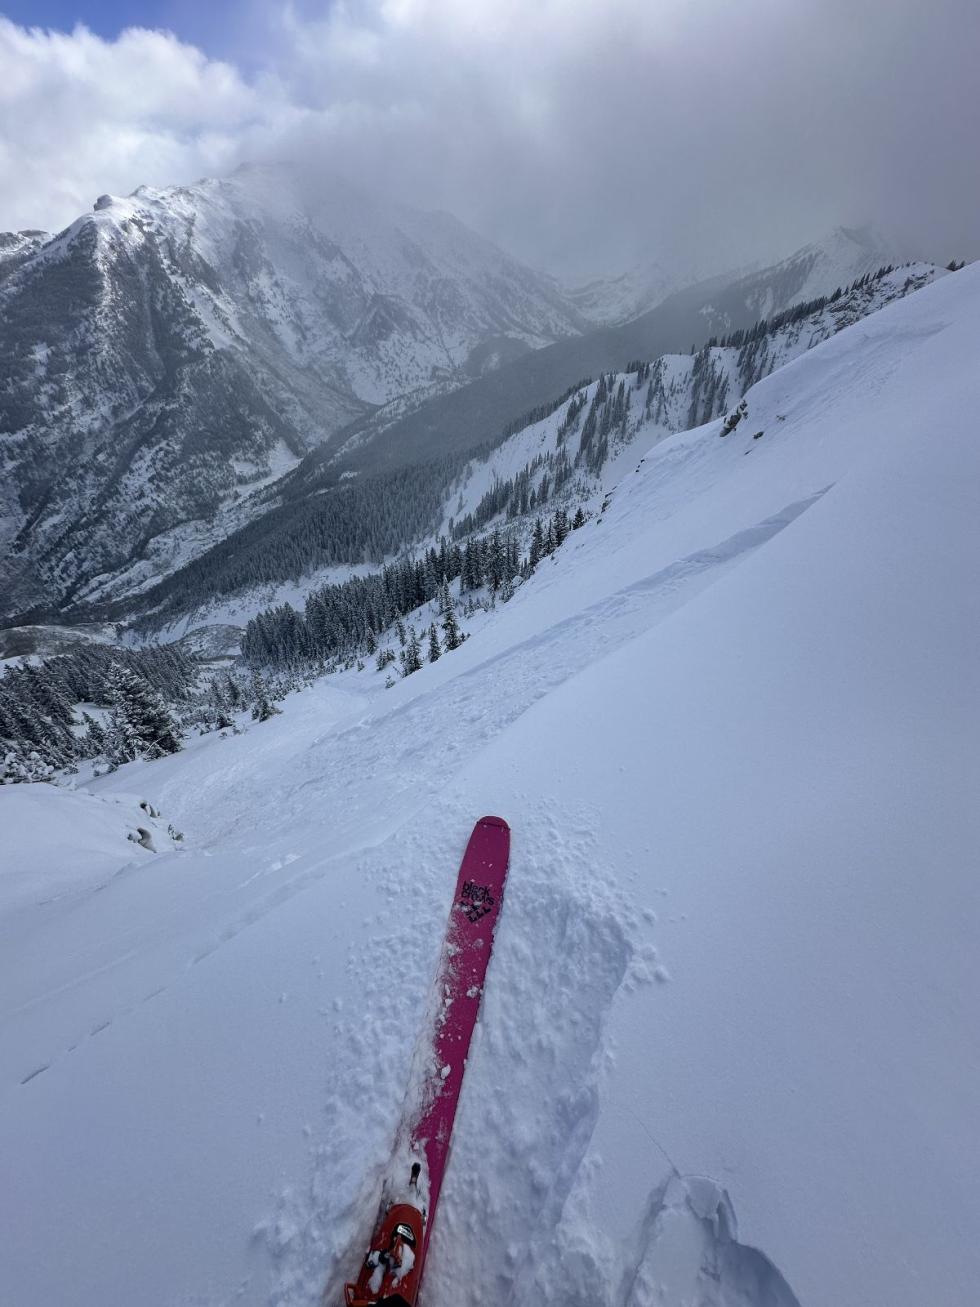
{"x":734,"y":728}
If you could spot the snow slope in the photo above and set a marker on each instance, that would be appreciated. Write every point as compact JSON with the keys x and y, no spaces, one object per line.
{"x":727,"y":1054}
{"x":682,"y":391}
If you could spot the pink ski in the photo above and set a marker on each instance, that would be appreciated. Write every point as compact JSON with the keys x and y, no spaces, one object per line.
{"x":392,"y":1271}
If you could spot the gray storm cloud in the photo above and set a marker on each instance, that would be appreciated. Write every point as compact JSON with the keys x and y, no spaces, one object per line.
{"x":580,"y":135}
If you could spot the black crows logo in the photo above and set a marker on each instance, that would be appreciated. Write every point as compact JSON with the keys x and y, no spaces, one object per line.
{"x":476,"y":901}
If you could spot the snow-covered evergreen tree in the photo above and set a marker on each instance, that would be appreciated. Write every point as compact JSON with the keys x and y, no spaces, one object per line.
{"x":413,"y":655}
{"x":143,"y":725}
{"x":263,"y":707}
{"x":450,"y":627}
{"x":96,"y":739}
{"x":20,"y":770}
{"x":435,"y":649}
{"x":496,"y":561}
{"x":538,"y":545}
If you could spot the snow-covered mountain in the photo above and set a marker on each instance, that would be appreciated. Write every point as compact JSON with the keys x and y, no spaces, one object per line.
{"x":611,"y":301}
{"x":727,"y":1049}
{"x":839,"y":258}
{"x":170,"y":350}
{"x":674,"y":393}
{"x":832,"y":263}
{"x":553,"y":458}
{"x":171,"y":354}
{"x":478,"y":412}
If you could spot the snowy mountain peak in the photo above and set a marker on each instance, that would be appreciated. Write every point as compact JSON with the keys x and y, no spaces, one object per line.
{"x":834,"y":262}
{"x":610,"y":301}
{"x":836,"y":259}
{"x":172,"y":348}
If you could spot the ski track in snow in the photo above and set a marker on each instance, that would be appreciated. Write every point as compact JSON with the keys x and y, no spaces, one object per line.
{"x":689,"y":1236}
{"x":513,"y":680}
{"x":335,"y":983}
{"x":568,"y":943}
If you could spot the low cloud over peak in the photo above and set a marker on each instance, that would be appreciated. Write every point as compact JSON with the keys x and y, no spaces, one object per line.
{"x":584,"y":138}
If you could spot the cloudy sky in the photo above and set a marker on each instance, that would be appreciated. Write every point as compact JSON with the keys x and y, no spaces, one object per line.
{"x":582,"y":135}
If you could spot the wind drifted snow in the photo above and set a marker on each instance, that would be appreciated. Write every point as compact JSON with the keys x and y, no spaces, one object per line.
{"x":733,"y":726}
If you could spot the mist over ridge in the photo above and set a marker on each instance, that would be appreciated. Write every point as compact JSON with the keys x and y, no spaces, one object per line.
{"x":587,"y":140}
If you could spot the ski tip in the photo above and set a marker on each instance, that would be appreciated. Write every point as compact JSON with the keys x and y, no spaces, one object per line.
{"x":493,"y":821}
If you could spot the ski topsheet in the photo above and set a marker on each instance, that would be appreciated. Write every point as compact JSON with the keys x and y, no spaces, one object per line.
{"x":392,"y":1270}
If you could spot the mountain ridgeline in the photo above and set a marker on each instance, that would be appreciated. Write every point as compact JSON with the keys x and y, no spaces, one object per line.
{"x":168,"y":353}
{"x":325,"y":517}
{"x":238,"y":382}
{"x":486,"y":522}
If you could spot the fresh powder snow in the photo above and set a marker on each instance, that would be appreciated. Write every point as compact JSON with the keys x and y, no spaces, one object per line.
{"x":727,"y":1052}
